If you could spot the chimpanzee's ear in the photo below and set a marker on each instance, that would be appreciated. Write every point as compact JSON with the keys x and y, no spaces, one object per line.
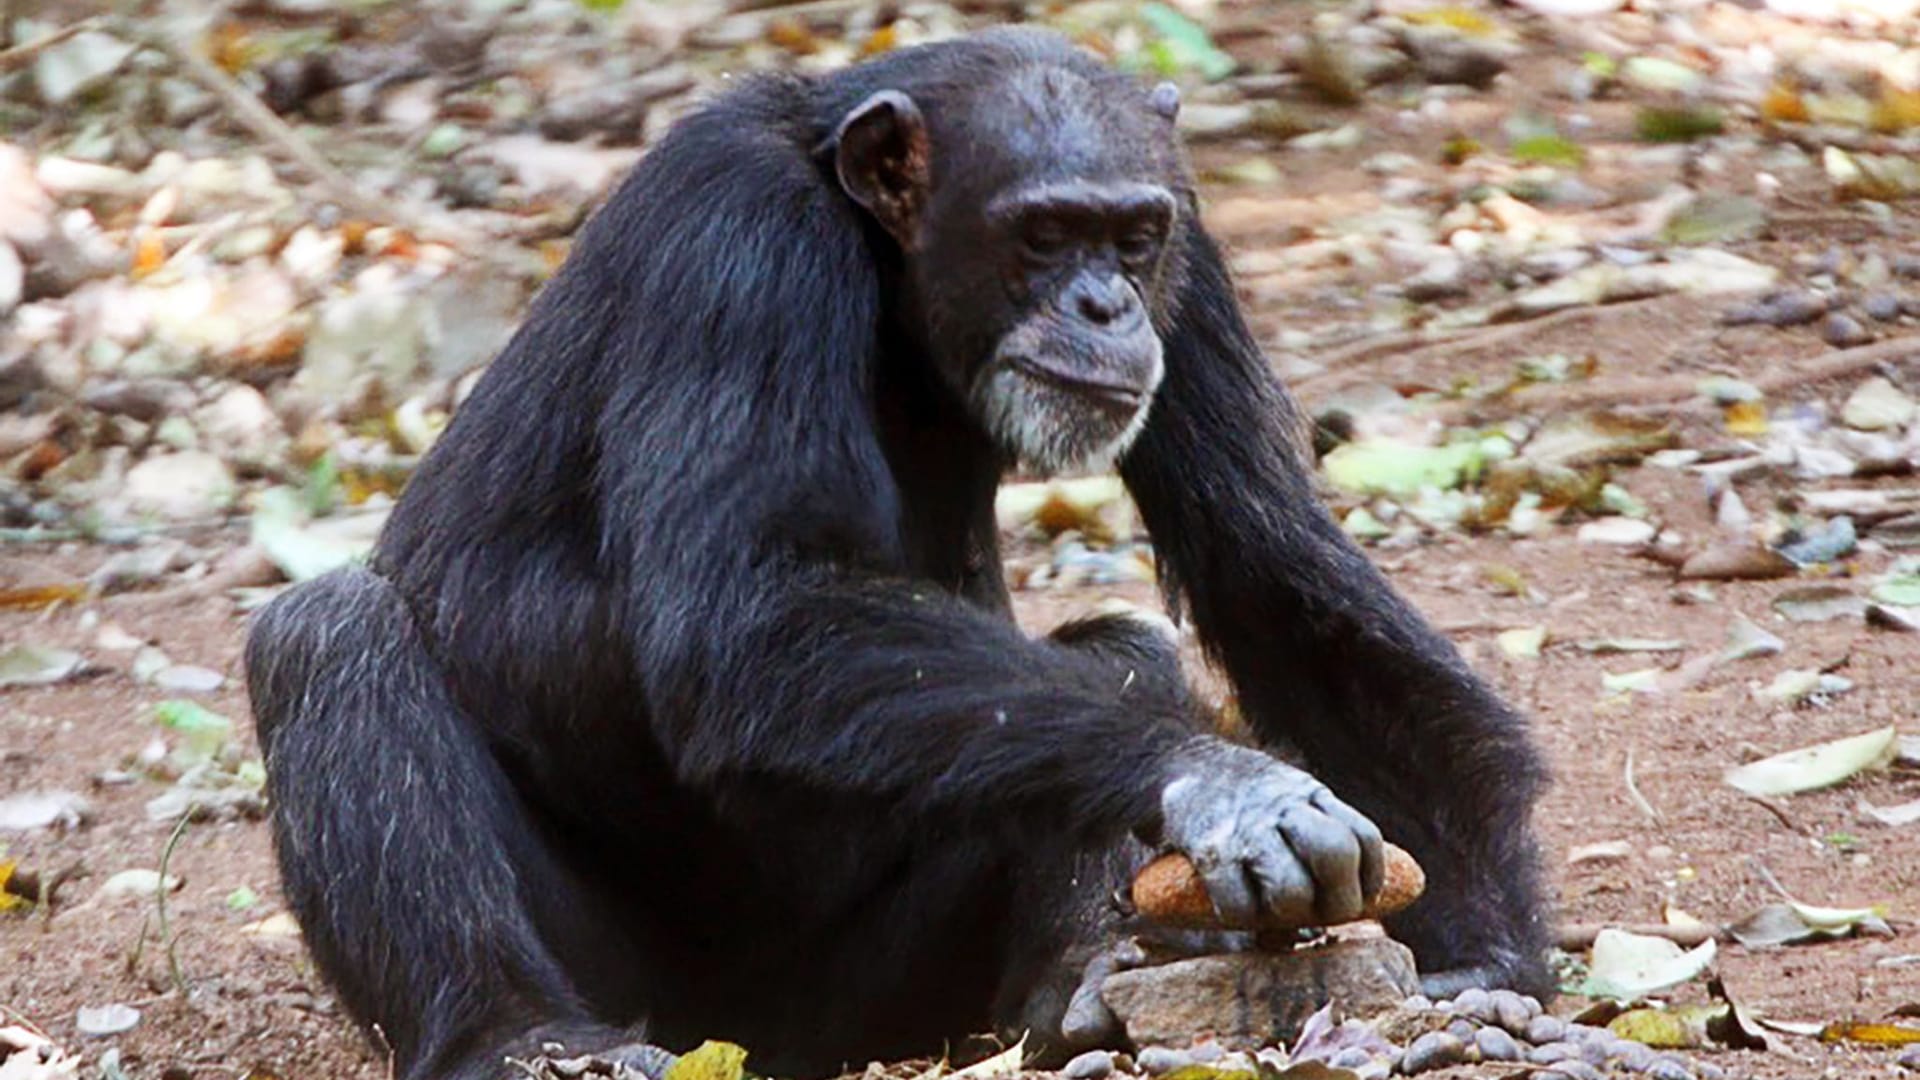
{"x":881,"y":156}
{"x":1165,"y":100}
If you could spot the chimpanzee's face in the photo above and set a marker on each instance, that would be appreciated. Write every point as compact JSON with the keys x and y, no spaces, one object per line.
{"x":1037,"y":227}
{"x":1074,"y":365}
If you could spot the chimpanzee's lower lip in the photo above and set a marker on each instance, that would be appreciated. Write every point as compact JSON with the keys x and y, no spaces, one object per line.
{"x":1115,"y":395}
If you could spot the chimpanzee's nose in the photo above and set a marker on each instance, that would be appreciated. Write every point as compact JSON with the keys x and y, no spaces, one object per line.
{"x":1103,"y":300}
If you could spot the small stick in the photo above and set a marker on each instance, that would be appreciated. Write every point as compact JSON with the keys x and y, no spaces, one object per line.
{"x":26,"y":52}
{"x":1639,"y":800}
{"x":257,"y":118}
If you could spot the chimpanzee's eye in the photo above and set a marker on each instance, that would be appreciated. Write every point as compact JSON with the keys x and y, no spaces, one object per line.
{"x":1139,"y":243}
{"x":1044,"y":236}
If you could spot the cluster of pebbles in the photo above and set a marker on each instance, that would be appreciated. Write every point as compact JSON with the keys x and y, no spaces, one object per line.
{"x":1477,"y":1026}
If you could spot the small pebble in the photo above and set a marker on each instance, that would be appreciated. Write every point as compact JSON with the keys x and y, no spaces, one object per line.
{"x":1842,"y":331}
{"x":1510,"y":1011}
{"x":1155,"y":1060}
{"x":1420,"y":1002}
{"x":1206,"y":1052}
{"x":1586,"y":1033}
{"x":1351,"y":1058}
{"x":1434,"y":1050}
{"x":1553,"y":1053}
{"x":1707,"y":1070}
{"x":1461,"y":1028}
{"x":1882,"y":306}
{"x":1573,"y":1069}
{"x":1546,"y":1029}
{"x":1907,"y":265}
{"x":1474,"y":1004}
{"x":1497,"y":1045}
{"x":1632,"y":1056}
{"x":1795,"y":307}
{"x":1668,"y":1069}
{"x":1092,"y":1065}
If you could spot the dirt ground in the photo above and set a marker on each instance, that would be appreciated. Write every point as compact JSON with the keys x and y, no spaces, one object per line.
{"x":255,"y":1008}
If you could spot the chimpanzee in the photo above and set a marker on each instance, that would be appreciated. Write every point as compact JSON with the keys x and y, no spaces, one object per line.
{"x":682,"y":689}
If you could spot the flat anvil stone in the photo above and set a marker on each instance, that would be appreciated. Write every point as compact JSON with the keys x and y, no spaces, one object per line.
{"x":1259,"y":995}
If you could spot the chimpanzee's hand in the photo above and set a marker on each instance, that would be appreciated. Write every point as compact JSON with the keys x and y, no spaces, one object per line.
{"x":1272,"y":843}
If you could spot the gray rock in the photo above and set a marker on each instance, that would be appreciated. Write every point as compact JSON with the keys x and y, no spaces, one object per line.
{"x":1910,"y":1058}
{"x":1462,"y":1028}
{"x":1513,"y":1012}
{"x":1667,"y":1068}
{"x":1474,"y":1004}
{"x":1882,"y":306}
{"x":1154,"y":1060}
{"x":1446,"y":57}
{"x":1553,"y":1053}
{"x":1092,"y":1065}
{"x":1632,"y":1056}
{"x":1587,"y":1033}
{"x":1545,"y":1029}
{"x":1842,"y":331}
{"x":1206,"y":1053}
{"x":1434,"y":1050}
{"x":1792,"y":307}
{"x":1572,"y":1069}
{"x":1351,"y":1058}
{"x":1497,"y":1045}
{"x":1263,"y":996}
{"x":145,"y":400}
{"x":1907,"y":266}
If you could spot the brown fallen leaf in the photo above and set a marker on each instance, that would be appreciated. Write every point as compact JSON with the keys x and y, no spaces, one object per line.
{"x":1736,"y":562}
{"x":1170,"y":890}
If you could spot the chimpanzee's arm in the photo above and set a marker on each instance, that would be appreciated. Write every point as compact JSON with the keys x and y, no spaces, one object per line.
{"x":1324,"y":654}
{"x":903,"y":694}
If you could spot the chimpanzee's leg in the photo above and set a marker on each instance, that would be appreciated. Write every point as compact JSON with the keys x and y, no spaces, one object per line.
{"x":426,"y":895}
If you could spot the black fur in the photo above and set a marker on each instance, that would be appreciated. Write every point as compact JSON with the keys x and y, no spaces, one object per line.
{"x":682,"y":688}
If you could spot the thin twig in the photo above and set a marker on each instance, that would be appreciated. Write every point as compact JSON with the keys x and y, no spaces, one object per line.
{"x":1578,"y":937}
{"x":26,"y":52}
{"x":1773,"y":807}
{"x":1639,"y":800}
{"x":252,"y":114}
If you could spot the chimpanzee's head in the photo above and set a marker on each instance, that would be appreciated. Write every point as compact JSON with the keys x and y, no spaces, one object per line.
{"x":1038,"y":208}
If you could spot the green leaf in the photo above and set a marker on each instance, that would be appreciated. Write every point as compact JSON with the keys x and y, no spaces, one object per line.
{"x":203,"y":732}
{"x":1678,"y":123}
{"x":1548,"y":150}
{"x":1900,"y":591}
{"x":1185,"y":43}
